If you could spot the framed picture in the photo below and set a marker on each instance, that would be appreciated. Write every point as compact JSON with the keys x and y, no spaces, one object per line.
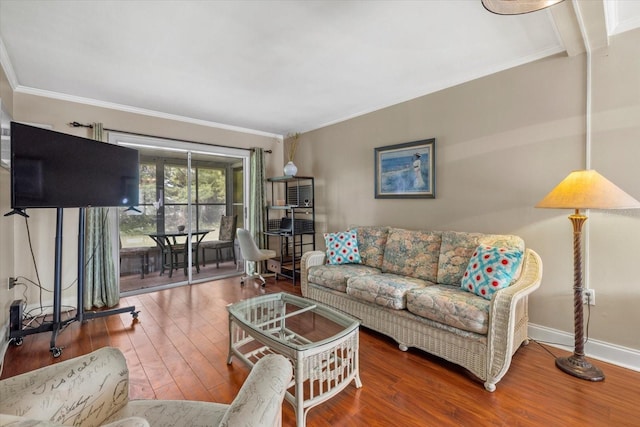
{"x":406,"y":171}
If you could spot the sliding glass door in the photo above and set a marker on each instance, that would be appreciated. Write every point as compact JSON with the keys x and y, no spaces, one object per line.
{"x":185,"y":189}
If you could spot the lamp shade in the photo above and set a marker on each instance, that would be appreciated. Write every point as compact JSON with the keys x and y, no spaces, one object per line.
{"x":516,"y":7}
{"x":587,"y":189}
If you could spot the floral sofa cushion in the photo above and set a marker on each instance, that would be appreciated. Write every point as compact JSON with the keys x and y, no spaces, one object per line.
{"x":458,"y":247}
{"x":387,"y":290}
{"x":371,"y":243}
{"x":413,"y":253}
{"x":336,"y":276}
{"x":450,"y":305}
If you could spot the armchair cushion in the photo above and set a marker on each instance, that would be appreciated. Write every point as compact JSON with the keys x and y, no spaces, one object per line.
{"x":169,"y":413}
{"x":82,"y":391}
{"x":15,"y":421}
{"x":93,"y":390}
{"x":259,"y":401}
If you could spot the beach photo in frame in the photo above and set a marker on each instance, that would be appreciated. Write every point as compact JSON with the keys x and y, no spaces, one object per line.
{"x":406,"y":170}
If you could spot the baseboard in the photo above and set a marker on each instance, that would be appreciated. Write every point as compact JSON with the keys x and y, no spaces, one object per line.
{"x":611,"y":353}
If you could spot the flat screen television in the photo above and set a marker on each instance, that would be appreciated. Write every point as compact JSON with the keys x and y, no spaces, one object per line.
{"x":55,"y":170}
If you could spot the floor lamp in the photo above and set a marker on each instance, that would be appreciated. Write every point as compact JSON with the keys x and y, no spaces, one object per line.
{"x":583,"y":189}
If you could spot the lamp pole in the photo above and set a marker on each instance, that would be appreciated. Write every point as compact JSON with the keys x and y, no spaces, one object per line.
{"x":576,"y":364}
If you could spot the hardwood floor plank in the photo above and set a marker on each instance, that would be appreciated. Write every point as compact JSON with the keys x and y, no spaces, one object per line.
{"x":177,"y":349}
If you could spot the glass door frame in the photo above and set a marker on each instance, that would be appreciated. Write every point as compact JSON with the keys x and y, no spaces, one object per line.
{"x":188,"y":149}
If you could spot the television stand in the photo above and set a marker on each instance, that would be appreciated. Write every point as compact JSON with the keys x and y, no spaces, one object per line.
{"x":17,"y":333}
{"x":17,"y":211}
{"x":81,"y":315}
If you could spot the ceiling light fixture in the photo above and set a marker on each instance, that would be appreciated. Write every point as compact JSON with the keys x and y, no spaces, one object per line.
{"x":517,"y":7}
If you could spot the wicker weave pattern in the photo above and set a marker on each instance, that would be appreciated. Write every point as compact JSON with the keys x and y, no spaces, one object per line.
{"x":488,"y":357}
{"x":323,"y":366}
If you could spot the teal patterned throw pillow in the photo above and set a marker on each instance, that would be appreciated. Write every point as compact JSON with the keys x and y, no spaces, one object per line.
{"x":490,"y":269}
{"x":342,"y":247}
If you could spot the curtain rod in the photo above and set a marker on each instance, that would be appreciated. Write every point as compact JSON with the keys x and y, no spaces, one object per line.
{"x":80,"y":125}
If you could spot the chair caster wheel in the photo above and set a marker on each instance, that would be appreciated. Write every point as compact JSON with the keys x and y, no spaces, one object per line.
{"x":56,"y":352}
{"x":17,"y":341}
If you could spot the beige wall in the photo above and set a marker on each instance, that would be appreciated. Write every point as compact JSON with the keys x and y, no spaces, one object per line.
{"x":6,"y":224}
{"x":502,"y":143}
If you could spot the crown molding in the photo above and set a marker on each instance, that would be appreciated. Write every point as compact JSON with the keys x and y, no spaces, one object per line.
{"x":5,"y":63}
{"x":128,"y":109}
{"x":142,"y":111}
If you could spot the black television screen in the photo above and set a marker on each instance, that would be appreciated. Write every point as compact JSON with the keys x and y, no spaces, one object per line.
{"x":56,"y":170}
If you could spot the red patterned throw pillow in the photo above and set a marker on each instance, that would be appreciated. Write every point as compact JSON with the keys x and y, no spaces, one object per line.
{"x":490,"y":269}
{"x":342,"y":247}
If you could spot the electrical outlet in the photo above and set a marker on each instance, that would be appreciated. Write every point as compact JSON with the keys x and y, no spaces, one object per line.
{"x":12,"y":282}
{"x":589,"y":296}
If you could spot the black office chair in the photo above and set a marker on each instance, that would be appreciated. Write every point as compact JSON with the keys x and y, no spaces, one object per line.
{"x":226,"y":240}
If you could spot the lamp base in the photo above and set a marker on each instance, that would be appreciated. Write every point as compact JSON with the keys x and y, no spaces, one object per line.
{"x":579,"y":367}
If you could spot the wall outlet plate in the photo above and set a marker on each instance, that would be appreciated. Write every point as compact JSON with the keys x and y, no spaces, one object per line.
{"x":589,"y":296}
{"x":11,"y":282}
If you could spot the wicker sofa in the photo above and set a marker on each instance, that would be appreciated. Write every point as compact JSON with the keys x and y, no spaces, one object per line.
{"x":407,"y":286}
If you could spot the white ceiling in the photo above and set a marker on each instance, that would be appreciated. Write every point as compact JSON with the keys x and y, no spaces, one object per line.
{"x":273,"y":67}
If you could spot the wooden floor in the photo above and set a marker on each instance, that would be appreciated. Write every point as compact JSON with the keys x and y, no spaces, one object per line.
{"x":178,"y":348}
{"x":135,"y":283}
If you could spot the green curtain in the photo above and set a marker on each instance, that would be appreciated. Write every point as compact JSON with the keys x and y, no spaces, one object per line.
{"x":101,"y":283}
{"x":257,"y":200}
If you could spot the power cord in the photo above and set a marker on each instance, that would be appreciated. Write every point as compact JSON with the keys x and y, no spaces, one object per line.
{"x":33,"y":257}
{"x":586,"y":339}
{"x":28,"y":317}
{"x":38,"y":282}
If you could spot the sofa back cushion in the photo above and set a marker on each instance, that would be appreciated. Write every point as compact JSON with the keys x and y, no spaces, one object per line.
{"x":412,"y":253}
{"x":458,"y":246}
{"x":371,"y":243}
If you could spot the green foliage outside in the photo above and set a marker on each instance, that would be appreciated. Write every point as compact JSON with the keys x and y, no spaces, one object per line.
{"x":208,"y":194}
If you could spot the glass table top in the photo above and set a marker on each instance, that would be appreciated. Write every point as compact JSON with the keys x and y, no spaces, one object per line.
{"x":291,"y":320}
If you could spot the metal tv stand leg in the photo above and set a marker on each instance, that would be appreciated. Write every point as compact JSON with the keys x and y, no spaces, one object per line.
{"x":81,"y":314}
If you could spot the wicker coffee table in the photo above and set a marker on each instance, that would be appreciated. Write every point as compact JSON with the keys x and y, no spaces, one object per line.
{"x":321,"y":342}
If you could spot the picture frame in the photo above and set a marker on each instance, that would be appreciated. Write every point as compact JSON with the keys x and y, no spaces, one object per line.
{"x":406,"y":171}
